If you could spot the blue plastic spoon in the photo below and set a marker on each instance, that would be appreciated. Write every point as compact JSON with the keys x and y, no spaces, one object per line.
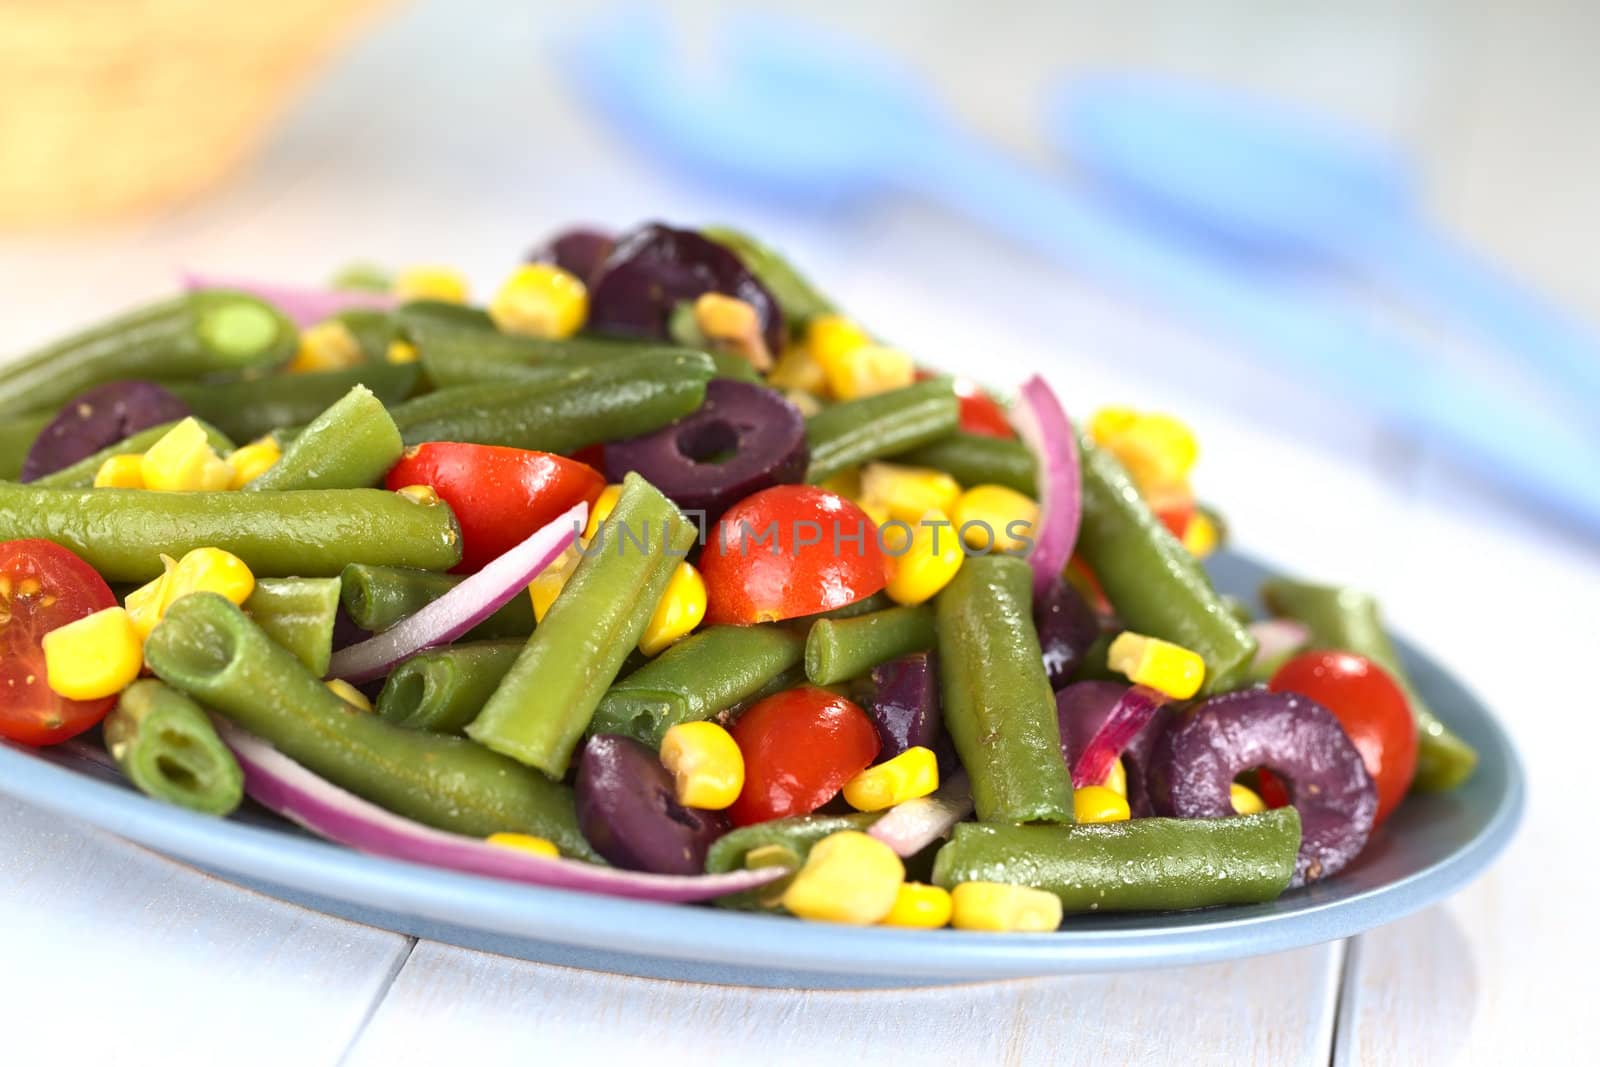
{"x":789,"y":112}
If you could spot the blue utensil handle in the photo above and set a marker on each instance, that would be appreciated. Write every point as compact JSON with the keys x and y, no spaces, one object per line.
{"x":1338,"y":351}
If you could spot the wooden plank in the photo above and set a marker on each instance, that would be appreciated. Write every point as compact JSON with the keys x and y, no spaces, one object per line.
{"x":449,"y":1005}
{"x":117,"y":955}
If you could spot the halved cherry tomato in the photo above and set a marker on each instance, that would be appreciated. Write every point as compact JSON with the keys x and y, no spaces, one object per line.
{"x":1370,"y":707}
{"x":800,"y":747}
{"x":43,"y":586}
{"x":500,"y":495}
{"x":789,"y":551}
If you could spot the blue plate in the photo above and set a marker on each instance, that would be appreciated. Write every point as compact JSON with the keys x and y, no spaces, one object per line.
{"x":1431,"y":847}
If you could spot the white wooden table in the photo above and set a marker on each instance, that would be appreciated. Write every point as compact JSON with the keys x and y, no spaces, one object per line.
{"x":414,"y":152}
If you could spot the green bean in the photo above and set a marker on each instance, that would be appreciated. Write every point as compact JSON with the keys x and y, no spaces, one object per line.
{"x":997,"y":701}
{"x":251,"y":409}
{"x":374,"y":331}
{"x":866,"y":606}
{"x":624,"y":397}
{"x":361,"y":276}
{"x":542,"y":708}
{"x":122,"y":532}
{"x":17,"y":435}
{"x":776,"y":843}
{"x":168,"y":748}
{"x":1156,"y":585}
{"x":450,"y":367}
{"x":800,"y":300}
{"x":1135,"y":865}
{"x":876,"y":426}
{"x":349,"y":446}
{"x":1349,"y":620}
{"x":838,"y":650}
{"x":81,"y":474}
{"x":443,"y":689}
{"x":209,"y":649}
{"x":974,"y":459}
{"x":299,"y":614}
{"x":711,"y":671}
{"x":185,"y":337}
{"x":377,"y":598}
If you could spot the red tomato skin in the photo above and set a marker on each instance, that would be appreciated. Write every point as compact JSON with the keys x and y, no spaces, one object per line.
{"x":981,"y":414}
{"x":800,"y":568}
{"x":69,"y":589}
{"x":1372,"y":709}
{"x":800,"y":747}
{"x":499,"y":495}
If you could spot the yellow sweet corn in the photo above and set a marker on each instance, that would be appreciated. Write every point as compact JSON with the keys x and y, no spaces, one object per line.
{"x":1161,"y":665}
{"x":120,"y":472}
{"x":1117,"y":779}
{"x":706,"y":765}
{"x":922,"y":566}
{"x":425,"y":495}
{"x":1246,"y":801}
{"x":604,"y":504}
{"x":798,"y":369}
{"x":326,"y":346}
{"x":349,"y":694}
{"x":202,"y":570}
{"x":537,"y":846}
{"x":913,"y":773}
{"x":541,"y":300}
{"x":869,"y":370}
{"x":1000,"y":908}
{"x":428,"y":282}
{"x":184,"y":460}
{"x":733,"y":326}
{"x":1157,"y":450}
{"x":922,"y":907}
{"x":907,"y":493}
{"x":847,"y":483}
{"x":1200,"y":537}
{"x":401,"y":352}
{"x":1108,"y":422}
{"x":808,"y":403}
{"x":680,"y":609}
{"x":995,"y":518}
{"x":830,"y":338}
{"x":1098,"y":803}
{"x":93,"y":657}
{"x":849,"y":877}
{"x":253,"y":460}
{"x":548,"y":585}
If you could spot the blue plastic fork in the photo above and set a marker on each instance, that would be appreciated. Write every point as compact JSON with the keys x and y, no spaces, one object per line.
{"x":790,"y":112}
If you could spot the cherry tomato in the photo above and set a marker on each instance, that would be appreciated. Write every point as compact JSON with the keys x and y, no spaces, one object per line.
{"x":980,"y":413}
{"x":800,"y":747}
{"x":43,"y":586}
{"x":1273,"y":793}
{"x":1370,"y":707}
{"x":789,"y":551}
{"x":500,"y":495}
{"x":1081,"y":578}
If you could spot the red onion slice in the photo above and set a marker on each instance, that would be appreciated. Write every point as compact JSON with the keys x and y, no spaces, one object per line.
{"x":1132,"y":713}
{"x":306,"y":306}
{"x":1043,"y":425}
{"x":1275,"y":639}
{"x":463,"y":607}
{"x":911,"y":827}
{"x":283,"y":786}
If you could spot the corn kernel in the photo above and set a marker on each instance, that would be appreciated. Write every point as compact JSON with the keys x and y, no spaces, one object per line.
{"x":431,"y":283}
{"x":93,"y":657}
{"x":1161,"y":665}
{"x":1097,"y":803}
{"x":995,"y":518}
{"x":601,"y":510}
{"x":202,"y":570}
{"x":425,"y":495}
{"x":807,"y":403}
{"x":680,"y":609}
{"x":184,"y":460}
{"x":913,"y":773}
{"x":326,"y":346}
{"x":541,"y":300}
{"x":1157,"y":450}
{"x":847,"y":483}
{"x":798,"y":369}
{"x":830,"y":338}
{"x":120,"y":472}
{"x":1108,"y":422}
{"x":536,"y":846}
{"x":733,"y":326}
{"x":548,"y":585}
{"x":401,"y":352}
{"x":1246,"y":801}
{"x":1000,"y":908}
{"x":922,"y":566}
{"x":349,"y":694}
{"x":907,"y":493}
{"x":253,"y":460}
{"x":1117,"y":778}
{"x":849,"y":877}
{"x":870,"y":370}
{"x":1200,"y":538}
{"x":706,"y":765}
{"x":922,"y":907}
